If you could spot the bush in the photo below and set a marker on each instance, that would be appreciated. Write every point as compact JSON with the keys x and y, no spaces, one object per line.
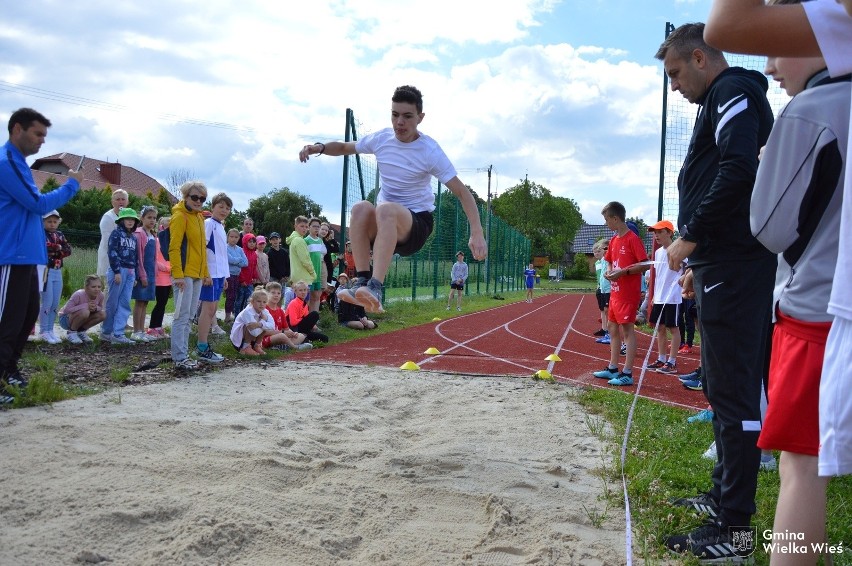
{"x":580,"y":268}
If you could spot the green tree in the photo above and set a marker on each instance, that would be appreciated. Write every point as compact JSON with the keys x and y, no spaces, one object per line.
{"x":84,"y":211}
{"x":275,"y":211}
{"x":550,"y":222}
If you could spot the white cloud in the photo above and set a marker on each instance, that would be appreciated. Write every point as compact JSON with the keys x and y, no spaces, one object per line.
{"x":576,"y":118}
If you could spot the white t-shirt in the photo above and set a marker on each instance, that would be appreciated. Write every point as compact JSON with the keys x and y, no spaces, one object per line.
{"x":107,"y":225}
{"x":833,"y":30}
{"x":407,"y":168}
{"x":666,"y":288}
{"x":217,"y":249}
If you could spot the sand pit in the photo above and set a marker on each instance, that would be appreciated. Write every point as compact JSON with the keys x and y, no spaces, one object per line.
{"x":307,"y":465}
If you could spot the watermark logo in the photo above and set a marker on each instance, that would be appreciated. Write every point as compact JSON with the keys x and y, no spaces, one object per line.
{"x":743,"y":540}
{"x":792,"y":542}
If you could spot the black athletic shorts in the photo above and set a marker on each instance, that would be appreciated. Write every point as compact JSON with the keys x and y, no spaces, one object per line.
{"x":603,"y":299}
{"x":459,"y":286}
{"x":670,"y":314}
{"x":421,"y":228}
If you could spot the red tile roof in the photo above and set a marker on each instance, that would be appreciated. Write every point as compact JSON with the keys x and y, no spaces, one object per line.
{"x":97,"y":174}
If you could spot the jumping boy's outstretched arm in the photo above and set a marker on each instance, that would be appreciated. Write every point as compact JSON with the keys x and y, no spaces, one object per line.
{"x":750,"y":26}
{"x":477,"y":240}
{"x":334,"y":148}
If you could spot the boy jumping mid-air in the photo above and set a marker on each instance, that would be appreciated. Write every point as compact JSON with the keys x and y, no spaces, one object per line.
{"x":401,"y":220}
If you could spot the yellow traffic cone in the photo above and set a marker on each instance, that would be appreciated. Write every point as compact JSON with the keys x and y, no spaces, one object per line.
{"x":409,"y":366}
{"x":432,"y":351}
{"x":553,"y":358}
{"x":436,"y":319}
{"x":543,"y":374}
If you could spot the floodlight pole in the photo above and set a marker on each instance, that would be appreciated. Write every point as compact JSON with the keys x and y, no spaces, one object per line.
{"x":488,"y":234}
{"x":669,"y":28}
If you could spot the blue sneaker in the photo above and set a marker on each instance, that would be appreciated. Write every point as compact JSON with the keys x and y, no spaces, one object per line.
{"x":691,"y":376}
{"x":606,"y":373}
{"x":694,"y":384}
{"x":603,"y":339}
{"x":703,"y":416}
{"x":622,"y":379}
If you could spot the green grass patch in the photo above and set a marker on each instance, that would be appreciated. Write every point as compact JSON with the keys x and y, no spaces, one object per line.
{"x":664,"y":461}
{"x":43,"y":389}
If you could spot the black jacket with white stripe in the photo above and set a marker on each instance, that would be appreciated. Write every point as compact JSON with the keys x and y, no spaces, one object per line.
{"x":717,"y":176}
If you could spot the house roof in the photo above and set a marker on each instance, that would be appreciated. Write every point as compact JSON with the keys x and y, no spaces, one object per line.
{"x":97,"y":174}
{"x":588,"y":234}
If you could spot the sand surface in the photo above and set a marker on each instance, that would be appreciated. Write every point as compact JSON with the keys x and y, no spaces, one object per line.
{"x":307,"y":465}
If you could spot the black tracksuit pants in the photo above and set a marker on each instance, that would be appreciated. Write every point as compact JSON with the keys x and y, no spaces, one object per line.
{"x":19,"y":306}
{"x":735,"y":305}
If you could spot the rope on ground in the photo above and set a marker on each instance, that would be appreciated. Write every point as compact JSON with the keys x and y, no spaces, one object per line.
{"x":628,"y":530}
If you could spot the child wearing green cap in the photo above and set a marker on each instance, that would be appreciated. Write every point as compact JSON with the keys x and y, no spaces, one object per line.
{"x":124,"y":262}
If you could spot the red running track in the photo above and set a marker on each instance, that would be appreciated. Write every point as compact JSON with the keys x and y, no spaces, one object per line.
{"x":514,"y":339}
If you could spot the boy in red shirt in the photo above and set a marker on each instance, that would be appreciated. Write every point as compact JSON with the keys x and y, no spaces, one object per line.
{"x":285,"y":338}
{"x":624,"y":253}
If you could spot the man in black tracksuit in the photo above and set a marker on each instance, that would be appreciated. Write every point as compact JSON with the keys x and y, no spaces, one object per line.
{"x":731,"y":273}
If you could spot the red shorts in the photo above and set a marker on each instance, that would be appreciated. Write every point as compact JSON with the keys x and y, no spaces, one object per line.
{"x":621,"y":311}
{"x":266,"y":342}
{"x":792,"y":415}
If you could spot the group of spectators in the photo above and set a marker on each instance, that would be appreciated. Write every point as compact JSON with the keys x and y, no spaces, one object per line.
{"x":763,"y":250}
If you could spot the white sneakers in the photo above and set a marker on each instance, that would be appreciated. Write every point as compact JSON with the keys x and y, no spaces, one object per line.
{"x":50,"y":338}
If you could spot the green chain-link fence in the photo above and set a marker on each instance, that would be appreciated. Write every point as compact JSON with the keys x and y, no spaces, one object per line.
{"x":427,"y":273}
{"x":679,"y":118}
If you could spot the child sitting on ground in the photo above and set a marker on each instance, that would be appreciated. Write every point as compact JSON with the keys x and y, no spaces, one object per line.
{"x":351,"y":315}
{"x":285,"y":338}
{"x":252,"y":325}
{"x":289,"y":295}
{"x":300,"y":318}
{"x":85,"y":309}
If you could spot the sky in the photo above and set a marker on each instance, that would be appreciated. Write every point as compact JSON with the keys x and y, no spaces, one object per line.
{"x":565,"y":92}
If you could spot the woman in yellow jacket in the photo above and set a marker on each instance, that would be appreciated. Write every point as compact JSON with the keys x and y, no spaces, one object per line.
{"x":188,"y":256}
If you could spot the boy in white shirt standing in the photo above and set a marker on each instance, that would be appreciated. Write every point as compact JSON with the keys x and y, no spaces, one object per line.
{"x":667,"y":299}
{"x":217,"y":262}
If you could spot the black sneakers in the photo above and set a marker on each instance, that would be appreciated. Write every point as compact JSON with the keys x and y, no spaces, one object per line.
{"x":711,"y":544}
{"x":14,"y":379}
{"x":702,"y":503}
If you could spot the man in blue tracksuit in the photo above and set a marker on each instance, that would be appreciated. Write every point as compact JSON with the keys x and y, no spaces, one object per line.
{"x":22,"y":240}
{"x":731,"y":273}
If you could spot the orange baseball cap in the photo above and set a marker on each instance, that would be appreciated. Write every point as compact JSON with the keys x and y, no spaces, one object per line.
{"x":662,"y":224}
